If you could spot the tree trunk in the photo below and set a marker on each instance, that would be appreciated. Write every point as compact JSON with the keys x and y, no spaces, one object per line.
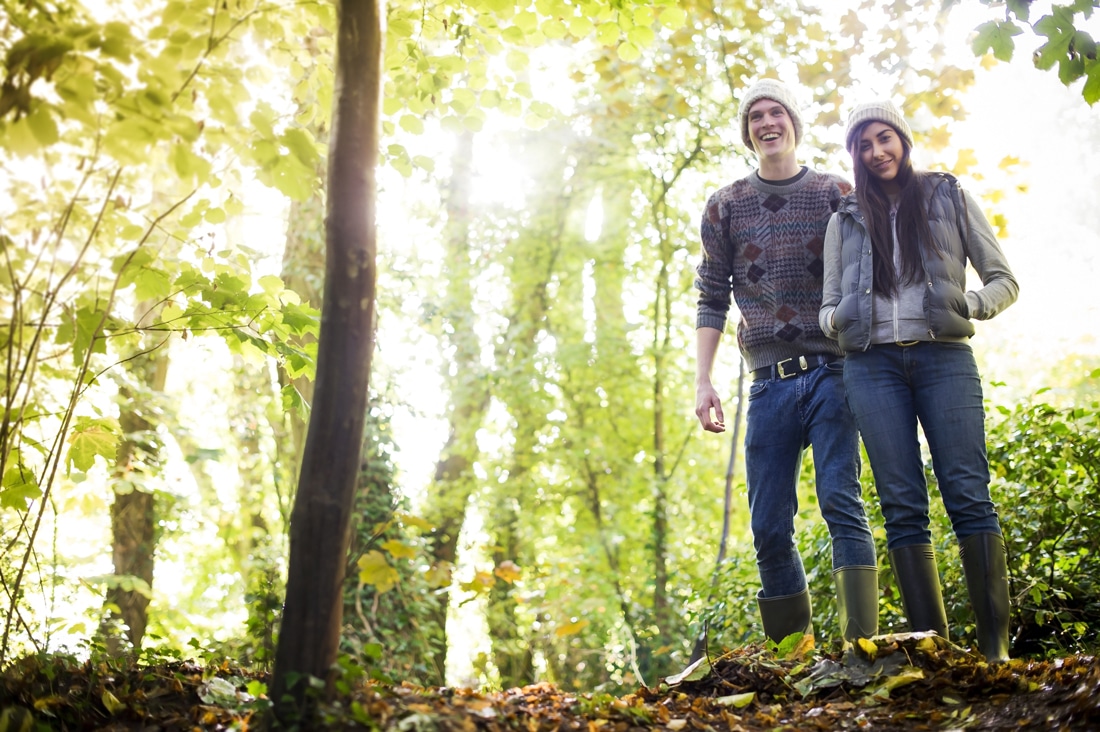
{"x":454,"y":479}
{"x":310,"y":633}
{"x":133,"y":516}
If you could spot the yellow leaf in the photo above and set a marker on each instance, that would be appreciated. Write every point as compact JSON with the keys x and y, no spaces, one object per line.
{"x":736,"y":700}
{"x":852,"y":26}
{"x":46,"y":702}
{"x":439,"y":574}
{"x":906,"y":677}
{"x":375,"y":570}
{"x":802,"y":648}
{"x":988,"y":61}
{"x":481,"y":582}
{"x":570,"y":628}
{"x":1008,"y":161}
{"x":507,"y":571}
{"x":16,"y":719}
{"x":938,"y":138}
{"x":965,"y":161}
{"x":399,"y":549}
{"x":114,"y":706}
{"x":868,"y":647}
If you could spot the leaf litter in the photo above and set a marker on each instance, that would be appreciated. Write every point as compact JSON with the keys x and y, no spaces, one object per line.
{"x":912,"y":681}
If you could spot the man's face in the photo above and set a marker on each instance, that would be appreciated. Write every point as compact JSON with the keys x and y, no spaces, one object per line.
{"x":771,"y":129}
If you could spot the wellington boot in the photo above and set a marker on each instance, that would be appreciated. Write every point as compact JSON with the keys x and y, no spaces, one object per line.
{"x":919,"y":584}
{"x":857,"y":601}
{"x":783,"y":616}
{"x":986,"y":570}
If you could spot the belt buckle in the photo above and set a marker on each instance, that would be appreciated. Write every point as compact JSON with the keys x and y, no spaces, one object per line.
{"x":803,"y":366}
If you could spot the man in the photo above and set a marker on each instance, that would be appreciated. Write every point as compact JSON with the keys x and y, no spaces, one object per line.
{"x":762,"y":240}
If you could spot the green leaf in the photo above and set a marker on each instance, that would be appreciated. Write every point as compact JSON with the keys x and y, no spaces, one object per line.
{"x":152,"y":284}
{"x":412,"y":124}
{"x":87,"y":332}
{"x":608,"y":34}
{"x":89,"y":438}
{"x":517,"y":60}
{"x":641,"y":35}
{"x":996,"y":35}
{"x":20,"y":139}
{"x":1091,"y":92}
{"x":43,"y":126}
{"x":19,"y":488}
{"x":580,"y":26}
{"x":1059,"y":30}
{"x":526,"y":21}
{"x":673,"y":18}
{"x":629,"y":52}
{"x":189,"y":166}
{"x":554,"y":29}
{"x":302,"y":145}
{"x":1020,"y":8}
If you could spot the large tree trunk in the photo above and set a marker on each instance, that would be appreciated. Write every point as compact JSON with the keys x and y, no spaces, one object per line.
{"x":310,"y":633}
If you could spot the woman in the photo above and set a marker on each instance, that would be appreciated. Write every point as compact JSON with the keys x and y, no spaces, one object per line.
{"x":895,"y":298}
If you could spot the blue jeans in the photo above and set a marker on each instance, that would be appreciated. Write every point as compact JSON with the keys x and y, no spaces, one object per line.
{"x":785,"y":416}
{"x":890,"y":388}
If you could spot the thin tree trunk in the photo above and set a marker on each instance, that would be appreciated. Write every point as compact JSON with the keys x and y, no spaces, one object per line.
{"x":727,"y":505}
{"x":310,"y":632}
{"x":454,"y":479}
{"x":133,"y":515}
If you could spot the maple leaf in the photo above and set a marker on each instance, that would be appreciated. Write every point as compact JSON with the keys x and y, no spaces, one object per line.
{"x":508,"y":571}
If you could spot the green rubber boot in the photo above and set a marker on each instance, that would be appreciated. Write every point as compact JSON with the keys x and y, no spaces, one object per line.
{"x":986,"y":569}
{"x":857,"y":601}
{"x":783,"y":616}
{"x":918,"y":580}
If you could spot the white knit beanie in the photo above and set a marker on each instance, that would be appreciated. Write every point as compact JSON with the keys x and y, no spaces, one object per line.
{"x":774,"y":90}
{"x":879,"y":111}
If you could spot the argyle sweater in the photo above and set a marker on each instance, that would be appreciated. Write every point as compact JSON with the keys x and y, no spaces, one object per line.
{"x":763,"y":243}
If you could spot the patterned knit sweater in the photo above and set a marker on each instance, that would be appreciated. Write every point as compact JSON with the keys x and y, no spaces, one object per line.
{"x":763,"y":242}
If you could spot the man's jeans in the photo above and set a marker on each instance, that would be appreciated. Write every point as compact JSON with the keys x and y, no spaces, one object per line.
{"x":784,"y":417}
{"x":890,"y":387}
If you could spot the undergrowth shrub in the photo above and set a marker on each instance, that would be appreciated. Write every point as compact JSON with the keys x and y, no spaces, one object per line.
{"x":1045,"y":468}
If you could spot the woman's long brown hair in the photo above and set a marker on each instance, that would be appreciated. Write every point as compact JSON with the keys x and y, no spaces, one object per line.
{"x":912,"y":219}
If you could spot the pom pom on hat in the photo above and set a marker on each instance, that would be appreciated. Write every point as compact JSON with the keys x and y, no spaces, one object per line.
{"x":879,"y":111}
{"x":777,"y":92}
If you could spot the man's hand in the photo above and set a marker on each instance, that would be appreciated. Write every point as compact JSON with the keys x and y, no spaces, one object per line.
{"x":706,"y":400}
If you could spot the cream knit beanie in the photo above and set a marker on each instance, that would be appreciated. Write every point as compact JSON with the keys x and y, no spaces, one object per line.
{"x":777,"y":92}
{"x":880,"y":111}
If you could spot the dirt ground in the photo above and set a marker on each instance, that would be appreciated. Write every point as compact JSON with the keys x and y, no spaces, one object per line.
{"x":903,"y":682}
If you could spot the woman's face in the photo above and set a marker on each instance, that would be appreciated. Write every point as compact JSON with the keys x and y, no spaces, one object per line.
{"x":882,"y":153}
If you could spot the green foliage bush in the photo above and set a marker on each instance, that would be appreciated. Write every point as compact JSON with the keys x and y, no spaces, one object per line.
{"x":1045,"y":460}
{"x":390,"y":631}
{"x":1045,"y":467}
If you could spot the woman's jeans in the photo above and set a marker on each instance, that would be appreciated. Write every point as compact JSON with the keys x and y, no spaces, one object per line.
{"x":890,"y":388}
{"x":785,"y":416}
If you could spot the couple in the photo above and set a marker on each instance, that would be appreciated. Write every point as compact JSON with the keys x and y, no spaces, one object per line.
{"x":854,"y":313}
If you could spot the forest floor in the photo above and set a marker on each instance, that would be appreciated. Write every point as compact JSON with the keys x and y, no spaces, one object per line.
{"x":903,"y":682}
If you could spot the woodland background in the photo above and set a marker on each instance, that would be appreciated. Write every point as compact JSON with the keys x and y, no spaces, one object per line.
{"x":536,"y":500}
